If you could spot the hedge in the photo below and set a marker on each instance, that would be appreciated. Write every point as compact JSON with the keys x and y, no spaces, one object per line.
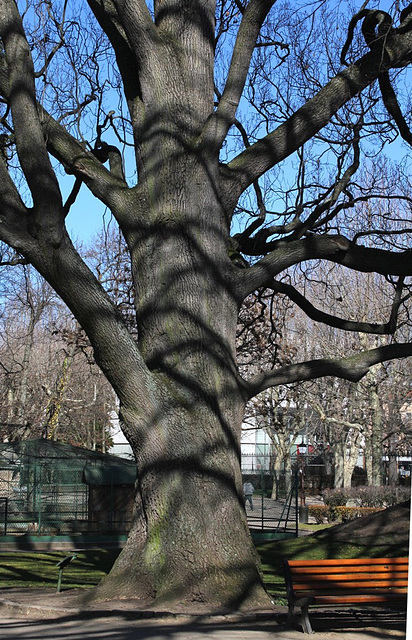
{"x":320,"y":513}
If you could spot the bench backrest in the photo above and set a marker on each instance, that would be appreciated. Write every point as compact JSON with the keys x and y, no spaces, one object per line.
{"x":323,"y":577}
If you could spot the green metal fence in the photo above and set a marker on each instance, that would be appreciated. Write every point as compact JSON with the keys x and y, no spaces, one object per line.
{"x":47,"y":488}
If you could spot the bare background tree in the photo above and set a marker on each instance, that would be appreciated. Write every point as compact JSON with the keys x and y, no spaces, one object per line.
{"x":51,"y":386}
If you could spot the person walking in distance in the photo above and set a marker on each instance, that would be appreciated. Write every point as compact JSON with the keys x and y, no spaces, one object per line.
{"x":248,"y":490}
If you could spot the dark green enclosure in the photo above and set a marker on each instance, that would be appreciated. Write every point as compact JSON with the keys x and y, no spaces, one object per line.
{"x":52,"y":488}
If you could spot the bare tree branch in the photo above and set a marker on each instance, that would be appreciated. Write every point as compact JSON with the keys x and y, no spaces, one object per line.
{"x":332,"y":320}
{"x":111,"y":16}
{"x":84,"y":164}
{"x":307,"y":121}
{"x":324,"y":211}
{"x":335,"y":248}
{"x":220,"y":122}
{"x":391,"y":103}
{"x":13,"y":263}
{"x":332,"y":420}
{"x":30,"y":143}
{"x":353,"y":368}
{"x":139,"y":27}
{"x":106,"y":13}
{"x":377,"y":25}
{"x":60,"y":43}
{"x":14,"y":217}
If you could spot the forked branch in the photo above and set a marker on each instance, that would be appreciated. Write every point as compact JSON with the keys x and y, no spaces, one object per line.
{"x":18,"y":79}
{"x":220,"y":122}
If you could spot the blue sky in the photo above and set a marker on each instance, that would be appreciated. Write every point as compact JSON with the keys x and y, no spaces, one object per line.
{"x":85,"y":218}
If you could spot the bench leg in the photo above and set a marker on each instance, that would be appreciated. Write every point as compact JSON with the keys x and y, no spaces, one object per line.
{"x":302,"y":619}
{"x":291,"y":615}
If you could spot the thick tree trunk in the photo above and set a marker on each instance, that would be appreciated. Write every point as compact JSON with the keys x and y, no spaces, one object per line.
{"x":190,"y":541}
{"x":181,"y":397}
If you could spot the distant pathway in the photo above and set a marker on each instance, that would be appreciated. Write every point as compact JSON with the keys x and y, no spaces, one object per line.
{"x":273,"y":511}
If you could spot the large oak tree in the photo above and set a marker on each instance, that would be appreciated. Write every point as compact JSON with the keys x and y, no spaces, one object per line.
{"x":180,"y":391}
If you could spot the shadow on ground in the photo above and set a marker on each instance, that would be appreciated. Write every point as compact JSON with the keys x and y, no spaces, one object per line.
{"x":106,"y":624}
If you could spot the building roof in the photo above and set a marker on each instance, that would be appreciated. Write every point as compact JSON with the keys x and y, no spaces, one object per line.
{"x":94,"y":467}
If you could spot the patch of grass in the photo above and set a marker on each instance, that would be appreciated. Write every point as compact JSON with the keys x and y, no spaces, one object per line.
{"x":26,"y":569}
{"x":315,"y":527}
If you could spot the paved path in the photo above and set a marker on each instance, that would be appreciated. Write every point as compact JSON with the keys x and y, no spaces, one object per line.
{"x":118,"y":629}
{"x":269,"y":514}
{"x":113,"y":628}
{"x":31,"y":615}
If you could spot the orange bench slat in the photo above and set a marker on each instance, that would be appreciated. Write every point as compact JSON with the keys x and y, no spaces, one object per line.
{"x":343,"y":561}
{"x":387,"y":575}
{"x":358,"y":577}
{"x":348,"y":584}
{"x":358,"y":599}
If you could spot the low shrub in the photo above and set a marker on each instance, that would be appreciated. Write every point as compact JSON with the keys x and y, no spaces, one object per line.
{"x":318,"y":512}
{"x":335,"y":497}
{"x":367,"y":496}
{"x":333,"y":513}
{"x":380,"y":496}
{"x":351,"y":513}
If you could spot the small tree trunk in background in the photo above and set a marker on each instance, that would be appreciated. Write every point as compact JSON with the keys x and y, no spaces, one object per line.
{"x":340,"y":450}
{"x":275,"y":485}
{"x":288,"y":473}
{"x":376,"y":440}
{"x":352,"y":458}
{"x":281,"y":464}
{"x":55,"y":404}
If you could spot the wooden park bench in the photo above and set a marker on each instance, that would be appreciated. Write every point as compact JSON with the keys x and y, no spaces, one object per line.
{"x":379,"y":581}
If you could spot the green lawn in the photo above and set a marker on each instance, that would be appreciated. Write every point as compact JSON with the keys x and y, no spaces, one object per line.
{"x":38,"y":569}
{"x":35,"y":570}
